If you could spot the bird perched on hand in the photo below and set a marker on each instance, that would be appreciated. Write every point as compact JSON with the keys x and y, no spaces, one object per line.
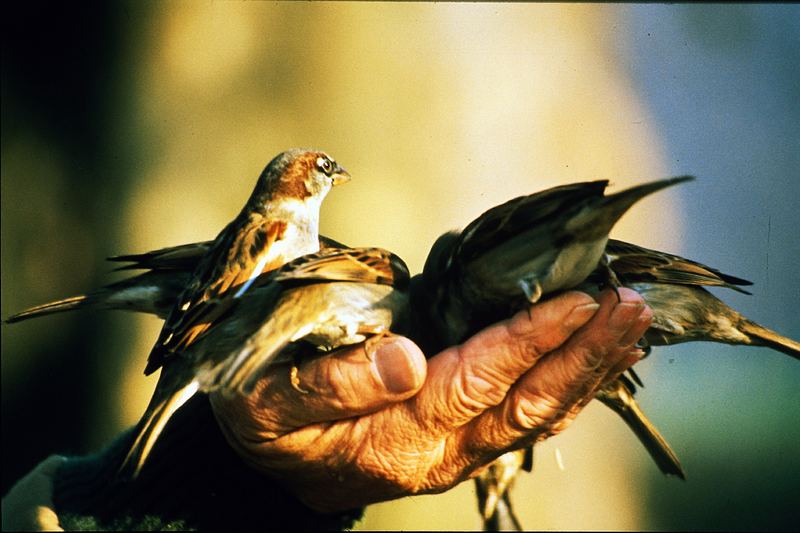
{"x":528,"y":247}
{"x":510,"y":256}
{"x":683,"y":311}
{"x":317,"y":302}
{"x":279,"y":222}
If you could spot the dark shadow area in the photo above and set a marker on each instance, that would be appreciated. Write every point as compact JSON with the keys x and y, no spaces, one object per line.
{"x":59,"y":64}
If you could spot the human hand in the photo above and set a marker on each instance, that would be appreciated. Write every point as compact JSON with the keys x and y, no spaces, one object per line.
{"x":376,"y":429}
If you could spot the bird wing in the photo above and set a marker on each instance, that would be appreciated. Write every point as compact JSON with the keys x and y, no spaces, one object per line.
{"x":224,"y":273}
{"x":367,"y":265}
{"x":502,"y":222}
{"x":183,"y":256}
{"x":297,"y":314}
{"x":632,"y":263}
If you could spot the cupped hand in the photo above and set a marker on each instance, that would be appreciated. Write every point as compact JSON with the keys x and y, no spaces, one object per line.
{"x":379,"y":427}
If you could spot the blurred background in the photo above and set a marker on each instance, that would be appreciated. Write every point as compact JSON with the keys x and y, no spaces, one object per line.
{"x":132,"y":126}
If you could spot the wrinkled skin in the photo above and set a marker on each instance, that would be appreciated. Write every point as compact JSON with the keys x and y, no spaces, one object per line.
{"x":379,"y":427}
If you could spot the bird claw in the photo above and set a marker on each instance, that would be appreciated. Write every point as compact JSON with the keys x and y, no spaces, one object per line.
{"x":635,"y":377}
{"x":644,"y":346}
{"x":371,"y":343}
{"x":294,"y":376}
{"x":532,"y":290}
{"x":610,"y":277}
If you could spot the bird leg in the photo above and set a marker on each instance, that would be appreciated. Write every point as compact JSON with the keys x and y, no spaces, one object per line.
{"x":531,"y":288}
{"x":370,"y":345}
{"x":294,"y":374}
{"x":645,"y":347}
{"x":610,"y":278}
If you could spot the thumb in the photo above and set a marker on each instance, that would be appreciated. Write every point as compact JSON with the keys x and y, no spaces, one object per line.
{"x":351,"y":381}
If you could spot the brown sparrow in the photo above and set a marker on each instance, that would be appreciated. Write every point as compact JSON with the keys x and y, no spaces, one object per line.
{"x":531,"y":246}
{"x":317,"y":302}
{"x":510,"y":256}
{"x":683,"y":311}
{"x":279,"y":222}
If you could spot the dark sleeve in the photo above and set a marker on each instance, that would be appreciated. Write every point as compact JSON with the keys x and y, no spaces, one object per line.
{"x":193,"y":480}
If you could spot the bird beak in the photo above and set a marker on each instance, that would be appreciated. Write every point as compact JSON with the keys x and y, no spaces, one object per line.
{"x":340,"y":176}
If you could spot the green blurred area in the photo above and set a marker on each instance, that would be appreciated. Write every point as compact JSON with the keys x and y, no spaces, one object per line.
{"x":131,"y":126}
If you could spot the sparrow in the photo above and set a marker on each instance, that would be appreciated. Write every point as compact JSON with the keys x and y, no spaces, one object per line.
{"x":684,"y":313}
{"x":509,"y":257}
{"x":530,"y":246}
{"x":313,"y":304}
{"x":683,"y":310}
{"x":278,"y":223}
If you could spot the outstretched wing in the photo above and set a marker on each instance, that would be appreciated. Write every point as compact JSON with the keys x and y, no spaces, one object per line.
{"x":181,"y":257}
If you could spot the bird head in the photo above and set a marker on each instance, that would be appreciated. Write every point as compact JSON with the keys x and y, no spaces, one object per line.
{"x":298,"y":175}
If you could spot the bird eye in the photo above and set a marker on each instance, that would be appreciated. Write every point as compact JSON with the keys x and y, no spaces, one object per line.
{"x":325,"y":165}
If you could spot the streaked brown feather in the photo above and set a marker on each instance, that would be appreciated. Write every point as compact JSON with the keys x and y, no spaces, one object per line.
{"x":181,"y":257}
{"x":368,"y":265}
{"x":184,"y":256}
{"x":211,"y":293}
{"x":632,"y":263}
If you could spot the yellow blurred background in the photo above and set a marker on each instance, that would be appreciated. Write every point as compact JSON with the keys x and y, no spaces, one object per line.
{"x":144,"y":124}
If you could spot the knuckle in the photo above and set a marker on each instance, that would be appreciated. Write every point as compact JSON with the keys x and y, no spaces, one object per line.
{"x":340,"y":387}
{"x":537,"y":411}
{"x":476,"y":388}
{"x":591,"y":360}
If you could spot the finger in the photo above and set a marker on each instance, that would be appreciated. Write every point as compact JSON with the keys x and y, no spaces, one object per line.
{"x":337,"y":385}
{"x":463,"y":381}
{"x":548,"y":397}
{"x":635,"y":353}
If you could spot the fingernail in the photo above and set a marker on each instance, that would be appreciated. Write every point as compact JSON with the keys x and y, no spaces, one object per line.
{"x":397,"y":366}
{"x":581,"y":314}
{"x":624,"y":314}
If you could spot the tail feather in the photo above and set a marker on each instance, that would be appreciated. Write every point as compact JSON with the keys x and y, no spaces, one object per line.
{"x":615,"y":205}
{"x":182,"y":257}
{"x":761,"y":336}
{"x":152,"y":424}
{"x":152,"y":292}
{"x":504,"y":517}
{"x":499,"y":515}
{"x":619,"y":397}
{"x":59,"y":306}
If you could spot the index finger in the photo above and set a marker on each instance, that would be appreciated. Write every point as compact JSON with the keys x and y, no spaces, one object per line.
{"x":463,"y":381}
